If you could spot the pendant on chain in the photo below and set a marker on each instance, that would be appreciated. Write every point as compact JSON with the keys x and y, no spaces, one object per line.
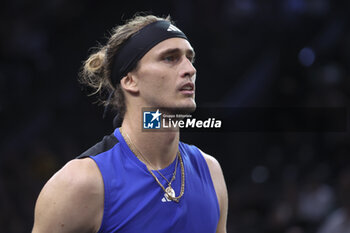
{"x":170,"y":192}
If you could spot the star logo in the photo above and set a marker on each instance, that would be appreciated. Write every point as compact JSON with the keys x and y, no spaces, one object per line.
{"x":151,"y":120}
{"x":156,"y":115}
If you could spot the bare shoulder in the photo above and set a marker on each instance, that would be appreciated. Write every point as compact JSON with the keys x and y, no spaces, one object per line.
{"x":214,"y":166}
{"x":72,"y":200}
{"x":220,"y":188}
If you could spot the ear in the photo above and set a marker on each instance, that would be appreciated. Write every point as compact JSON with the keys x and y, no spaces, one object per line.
{"x":129,"y":83}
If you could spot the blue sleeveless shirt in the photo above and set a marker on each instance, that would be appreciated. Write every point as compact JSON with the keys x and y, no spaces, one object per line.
{"x":134,"y":202}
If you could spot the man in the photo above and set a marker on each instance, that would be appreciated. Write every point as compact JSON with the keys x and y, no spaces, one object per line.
{"x":133,"y":180}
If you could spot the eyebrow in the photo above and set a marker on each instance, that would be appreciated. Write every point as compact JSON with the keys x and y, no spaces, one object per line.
{"x":177,"y":50}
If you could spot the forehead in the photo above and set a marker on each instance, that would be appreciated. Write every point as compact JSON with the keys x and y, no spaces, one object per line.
{"x":170,"y":44}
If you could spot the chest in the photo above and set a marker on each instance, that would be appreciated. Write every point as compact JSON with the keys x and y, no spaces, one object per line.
{"x":137,"y":203}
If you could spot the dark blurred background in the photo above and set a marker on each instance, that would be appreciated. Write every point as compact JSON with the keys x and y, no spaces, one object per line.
{"x":249,"y":53}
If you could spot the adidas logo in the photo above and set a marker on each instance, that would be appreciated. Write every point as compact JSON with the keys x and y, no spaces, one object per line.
{"x":172,"y":28}
{"x":165,"y":198}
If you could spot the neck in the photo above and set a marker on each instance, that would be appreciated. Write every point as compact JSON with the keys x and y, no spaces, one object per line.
{"x":157,"y":148}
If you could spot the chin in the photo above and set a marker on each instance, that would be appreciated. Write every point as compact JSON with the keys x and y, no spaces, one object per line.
{"x":182,"y":108}
{"x":190,"y":108}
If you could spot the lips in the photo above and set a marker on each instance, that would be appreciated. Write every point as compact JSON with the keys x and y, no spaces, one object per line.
{"x":187,"y":87}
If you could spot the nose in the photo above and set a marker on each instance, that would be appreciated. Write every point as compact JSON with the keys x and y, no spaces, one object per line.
{"x":187,"y":69}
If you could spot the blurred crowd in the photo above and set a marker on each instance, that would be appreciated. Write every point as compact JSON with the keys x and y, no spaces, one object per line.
{"x":249,"y":53}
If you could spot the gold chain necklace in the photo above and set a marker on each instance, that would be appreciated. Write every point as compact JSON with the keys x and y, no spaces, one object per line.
{"x":169,"y":191}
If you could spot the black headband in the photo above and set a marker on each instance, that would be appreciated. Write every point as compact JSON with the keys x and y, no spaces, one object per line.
{"x":139,"y":44}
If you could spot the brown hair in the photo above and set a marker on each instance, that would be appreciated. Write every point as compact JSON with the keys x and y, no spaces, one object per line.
{"x":96,"y":70}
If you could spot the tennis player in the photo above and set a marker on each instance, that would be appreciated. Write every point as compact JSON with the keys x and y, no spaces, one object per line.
{"x":136,"y":180}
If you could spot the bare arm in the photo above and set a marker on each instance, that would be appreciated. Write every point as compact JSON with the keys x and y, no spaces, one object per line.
{"x":220,"y":188}
{"x":72,"y":200}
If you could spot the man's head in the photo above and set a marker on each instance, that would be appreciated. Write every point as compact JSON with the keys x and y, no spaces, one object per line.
{"x":147,"y":62}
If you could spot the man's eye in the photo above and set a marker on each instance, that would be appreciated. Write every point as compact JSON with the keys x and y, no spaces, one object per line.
{"x":191,"y":59}
{"x":169,"y":58}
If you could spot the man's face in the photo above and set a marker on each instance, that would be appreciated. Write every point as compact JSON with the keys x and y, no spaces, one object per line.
{"x":166,"y":75}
